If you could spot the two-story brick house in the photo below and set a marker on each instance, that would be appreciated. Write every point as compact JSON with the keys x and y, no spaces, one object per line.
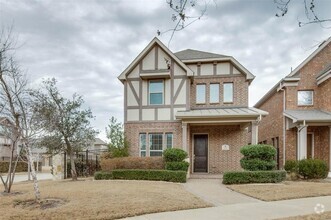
{"x":299,"y":106}
{"x":193,"y":100}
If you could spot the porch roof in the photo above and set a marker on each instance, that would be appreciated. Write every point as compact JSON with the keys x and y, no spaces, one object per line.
{"x":221,"y":113}
{"x":308,"y":115}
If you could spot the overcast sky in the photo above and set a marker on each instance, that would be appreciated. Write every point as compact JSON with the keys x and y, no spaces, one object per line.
{"x":85,"y":45}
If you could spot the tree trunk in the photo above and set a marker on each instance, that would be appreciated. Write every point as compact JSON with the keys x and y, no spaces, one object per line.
{"x":33,"y":174}
{"x":73,"y":167}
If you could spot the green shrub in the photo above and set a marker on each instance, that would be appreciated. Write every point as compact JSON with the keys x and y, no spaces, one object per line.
{"x":155,"y":175}
{"x":259,"y":151}
{"x":291,"y":166}
{"x":20,"y":167}
{"x":313,"y":169}
{"x":156,"y":163}
{"x":241,"y":177}
{"x":174,"y":155}
{"x":257,"y":164}
{"x":258,"y":157}
{"x":177,"y":166}
{"x":100,"y":175}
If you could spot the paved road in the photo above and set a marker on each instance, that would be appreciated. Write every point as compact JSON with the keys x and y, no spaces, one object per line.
{"x":230,"y":205}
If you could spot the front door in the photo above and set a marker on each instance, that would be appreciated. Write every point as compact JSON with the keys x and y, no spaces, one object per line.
{"x":310,"y":145}
{"x":200,"y":153}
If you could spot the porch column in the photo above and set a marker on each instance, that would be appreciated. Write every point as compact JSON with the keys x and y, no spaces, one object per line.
{"x":330,"y":151}
{"x":302,"y":142}
{"x":255,"y":132}
{"x":184,"y":136}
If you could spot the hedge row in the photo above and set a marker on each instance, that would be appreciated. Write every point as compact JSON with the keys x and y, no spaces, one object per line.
{"x":155,"y":175}
{"x":21,"y":166}
{"x":155,"y":163}
{"x":308,"y":168}
{"x":241,"y":177}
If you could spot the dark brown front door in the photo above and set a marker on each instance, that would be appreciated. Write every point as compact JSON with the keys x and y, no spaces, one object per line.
{"x":200,"y":153}
{"x":309,"y":146}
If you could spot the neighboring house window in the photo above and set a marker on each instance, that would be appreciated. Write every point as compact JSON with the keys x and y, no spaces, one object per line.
{"x":228,"y":92}
{"x":168,"y":140}
{"x":142,"y":144}
{"x":156,"y":92}
{"x":214,"y":93}
{"x":201,"y":93}
{"x":155,"y":144}
{"x":305,"y":97}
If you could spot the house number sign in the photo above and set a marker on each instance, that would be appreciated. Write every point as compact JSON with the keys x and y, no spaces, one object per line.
{"x":225,"y":147}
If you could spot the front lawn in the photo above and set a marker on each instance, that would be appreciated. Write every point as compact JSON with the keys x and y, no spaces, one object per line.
{"x":102,"y":199}
{"x":285,"y":190}
{"x":325,"y":215}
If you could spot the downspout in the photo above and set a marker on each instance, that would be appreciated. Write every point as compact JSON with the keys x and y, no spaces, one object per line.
{"x":284,"y":122}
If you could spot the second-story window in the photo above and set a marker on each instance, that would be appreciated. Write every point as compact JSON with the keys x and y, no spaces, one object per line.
{"x":156,"y":92}
{"x":228,"y":92}
{"x":214,"y":93}
{"x":305,"y":97}
{"x":201,"y":93}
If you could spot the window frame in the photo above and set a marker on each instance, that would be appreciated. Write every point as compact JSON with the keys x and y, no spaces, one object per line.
{"x":232,"y":98}
{"x":218,"y":96}
{"x":205,"y":93}
{"x":312,"y":97}
{"x":149,"y":91}
{"x":149,"y":144}
{"x":140,"y":145}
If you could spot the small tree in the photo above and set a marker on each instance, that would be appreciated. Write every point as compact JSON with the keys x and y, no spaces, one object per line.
{"x":118,"y":146}
{"x":258,"y":157}
{"x":67,"y":125}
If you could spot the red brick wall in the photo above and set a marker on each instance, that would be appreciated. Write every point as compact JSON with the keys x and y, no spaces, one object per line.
{"x":132,"y":131}
{"x":222,"y":160}
{"x":240,"y":90}
{"x":271,"y":125}
{"x":324,"y":97}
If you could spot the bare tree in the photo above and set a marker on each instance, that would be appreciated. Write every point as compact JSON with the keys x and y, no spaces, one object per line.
{"x":15,"y":107}
{"x":309,"y":7}
{"x":185,"y":13}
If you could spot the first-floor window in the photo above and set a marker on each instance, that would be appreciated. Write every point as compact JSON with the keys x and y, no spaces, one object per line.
{"x":142,"y":144}
{"x":155,"y":144}
{"x":168,"y":140}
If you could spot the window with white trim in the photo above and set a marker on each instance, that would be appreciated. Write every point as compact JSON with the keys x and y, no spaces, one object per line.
{"x":169,"y":139}
{"x":201,"y":93}
{"x":214,"y":93}
{"x":227,"y":92}
{"x":155,"y":144}
{"x":142,"y":144}
{"x":305,"y":97}
{"x":156,"y":90}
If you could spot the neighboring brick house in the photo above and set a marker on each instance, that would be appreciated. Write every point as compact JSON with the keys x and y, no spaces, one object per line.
{"x":5,"y":143}
{"x":299,"y":106}
{"x":193,"y":100}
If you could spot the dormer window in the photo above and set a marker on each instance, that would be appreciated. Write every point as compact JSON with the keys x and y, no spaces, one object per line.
{"x":156,"y":91}
{"x":305,"y":97}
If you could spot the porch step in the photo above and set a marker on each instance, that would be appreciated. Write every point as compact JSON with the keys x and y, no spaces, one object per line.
{"x":205,"y":176}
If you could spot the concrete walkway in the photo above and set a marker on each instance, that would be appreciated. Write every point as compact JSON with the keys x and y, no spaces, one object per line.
{"x":21,"y":177}
{"x":235,"y":206}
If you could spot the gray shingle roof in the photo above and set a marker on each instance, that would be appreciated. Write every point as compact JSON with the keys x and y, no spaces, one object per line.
{"x":308,"y":115}
{"x":221,"y":113}
{"x":326,"y":69}
{"x":190,"y":54}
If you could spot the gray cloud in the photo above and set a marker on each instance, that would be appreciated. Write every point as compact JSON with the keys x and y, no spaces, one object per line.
{"x":87,"y":44}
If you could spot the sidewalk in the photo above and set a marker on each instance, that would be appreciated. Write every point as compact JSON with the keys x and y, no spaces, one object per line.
{"x":244,"y":211}
{"x":20,"y":177}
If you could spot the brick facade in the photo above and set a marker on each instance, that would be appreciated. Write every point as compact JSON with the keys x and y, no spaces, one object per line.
{"x":273,"y":125}
{"x":222,"y":160}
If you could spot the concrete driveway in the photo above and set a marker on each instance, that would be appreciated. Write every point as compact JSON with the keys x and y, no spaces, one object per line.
{"x":230,"y":205}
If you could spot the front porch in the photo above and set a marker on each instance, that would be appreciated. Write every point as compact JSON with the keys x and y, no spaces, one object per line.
{"x":311,"y":132}
{"x":213,"y":137}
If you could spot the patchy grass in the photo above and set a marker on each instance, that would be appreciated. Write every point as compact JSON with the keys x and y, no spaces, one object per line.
{"x":324,"y":216}
{"x":102,"y":199}
{"x":285,"y":190}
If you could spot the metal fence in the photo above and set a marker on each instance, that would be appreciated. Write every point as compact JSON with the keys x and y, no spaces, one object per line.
{"x":86,"y":162}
